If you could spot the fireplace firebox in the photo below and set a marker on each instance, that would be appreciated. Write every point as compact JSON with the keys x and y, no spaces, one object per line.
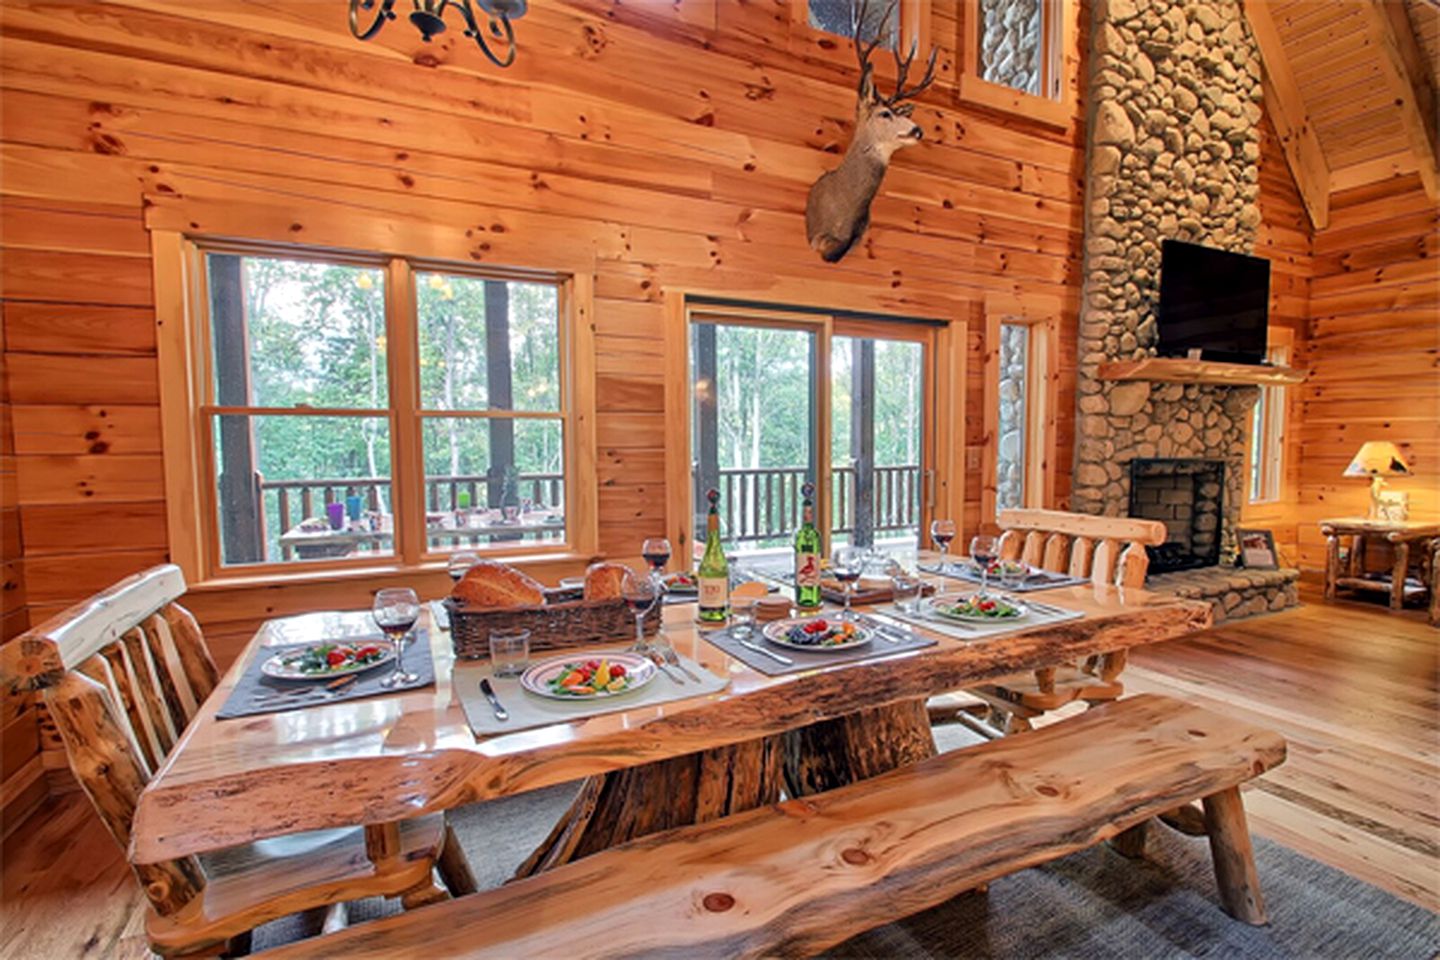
{"x":1186,"y":495}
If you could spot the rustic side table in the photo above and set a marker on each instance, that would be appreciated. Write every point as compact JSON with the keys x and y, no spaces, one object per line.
{"x":1401,"y":535}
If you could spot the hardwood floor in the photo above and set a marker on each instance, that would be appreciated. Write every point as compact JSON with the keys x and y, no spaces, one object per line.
{"x":1350,"y":685}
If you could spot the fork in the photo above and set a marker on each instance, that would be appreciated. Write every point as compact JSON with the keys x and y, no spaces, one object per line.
{"x":659,"y":661}
{"x":672,"y":658}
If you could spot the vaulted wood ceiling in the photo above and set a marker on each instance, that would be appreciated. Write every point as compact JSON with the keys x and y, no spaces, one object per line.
{"x":1351,"y":86}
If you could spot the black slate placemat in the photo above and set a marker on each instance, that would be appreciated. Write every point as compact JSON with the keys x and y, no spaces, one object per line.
{"x":255,"y":693}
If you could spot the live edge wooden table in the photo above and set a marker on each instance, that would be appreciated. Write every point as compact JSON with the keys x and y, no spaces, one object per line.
{"x":390,"y":758}
{"x":1400,"y":534}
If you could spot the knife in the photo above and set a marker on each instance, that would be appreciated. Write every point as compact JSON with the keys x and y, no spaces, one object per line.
{"x":769,"y":653}
{"x":500,"y":712}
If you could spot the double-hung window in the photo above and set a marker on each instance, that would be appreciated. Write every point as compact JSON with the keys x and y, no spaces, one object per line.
{"x":348,"y":409}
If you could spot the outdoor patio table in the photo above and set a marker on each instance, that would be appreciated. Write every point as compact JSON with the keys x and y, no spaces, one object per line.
{"x":395,"y":757}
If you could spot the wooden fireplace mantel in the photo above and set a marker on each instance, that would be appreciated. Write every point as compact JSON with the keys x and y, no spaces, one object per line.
{"x":1178,"y":370}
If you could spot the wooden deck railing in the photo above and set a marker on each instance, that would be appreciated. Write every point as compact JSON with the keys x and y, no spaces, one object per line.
{"x":764,"y":503}
{"x":290,"y":501}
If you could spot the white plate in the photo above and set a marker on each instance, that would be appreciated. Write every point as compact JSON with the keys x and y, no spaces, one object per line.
{"x":278,"y":668}
{"x":536,"y":679}
{"x":775,"y":632}
{"x":934,"y":604}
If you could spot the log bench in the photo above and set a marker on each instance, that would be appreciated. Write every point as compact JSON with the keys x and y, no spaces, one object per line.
{"x":797,"y":877}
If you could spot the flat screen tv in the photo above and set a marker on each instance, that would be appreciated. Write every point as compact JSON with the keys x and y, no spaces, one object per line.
{"x":1214,"y":301}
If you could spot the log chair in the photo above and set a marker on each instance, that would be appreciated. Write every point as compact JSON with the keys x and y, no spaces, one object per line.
{"x":1105,"y":550}
{"x":794,"y":878}
{"x":122,"y":674}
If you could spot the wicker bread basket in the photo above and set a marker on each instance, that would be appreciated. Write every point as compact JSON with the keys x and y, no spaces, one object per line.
{"x":558,"y":625}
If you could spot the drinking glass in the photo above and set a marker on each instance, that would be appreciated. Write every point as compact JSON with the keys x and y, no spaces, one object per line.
{"x":982,"y":551}
{"x":906,"y":588}
{"x":846,"y":563}
{"x":1012,"y":574}
{"x":656,"y":551}
{"x":743,"y":618}
{"x":396,"y":610}
{"x":640,"y":594}
{"x":942,"y":532}
{"x":460,"y":563}
{"x":509,"y":652}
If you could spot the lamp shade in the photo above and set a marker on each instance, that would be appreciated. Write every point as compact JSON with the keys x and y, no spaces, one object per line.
{"x":1378,"y":458}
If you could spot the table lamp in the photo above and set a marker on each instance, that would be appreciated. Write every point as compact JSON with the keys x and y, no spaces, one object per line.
{"x":1377,"y":460}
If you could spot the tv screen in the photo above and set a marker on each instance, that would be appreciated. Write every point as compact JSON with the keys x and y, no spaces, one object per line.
{"x":1214,"y":301}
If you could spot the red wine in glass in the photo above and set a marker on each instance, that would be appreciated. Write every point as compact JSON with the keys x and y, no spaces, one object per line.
{"x":656,"y":551}
{"x":983,"y":551}
{"x":395,"y":610}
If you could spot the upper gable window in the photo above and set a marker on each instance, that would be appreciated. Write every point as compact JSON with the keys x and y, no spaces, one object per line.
{"x":1014,"y":57}
{"x":837,"y":16}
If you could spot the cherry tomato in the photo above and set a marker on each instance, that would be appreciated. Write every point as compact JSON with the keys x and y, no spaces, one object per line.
{"x":616,"y":670}
{"x":592,"y":665}
{"x":987,"y":604}
{"x":335,"y":658}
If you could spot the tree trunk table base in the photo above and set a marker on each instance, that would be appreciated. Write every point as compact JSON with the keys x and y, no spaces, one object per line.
{"x":617,"y":807}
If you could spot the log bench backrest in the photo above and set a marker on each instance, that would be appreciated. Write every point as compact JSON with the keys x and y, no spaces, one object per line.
{"x":1107,"y":550}
{"x":797,"y":877}
{"x":121,"y":674}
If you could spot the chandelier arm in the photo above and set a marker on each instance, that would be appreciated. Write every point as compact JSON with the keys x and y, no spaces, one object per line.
{"x":499,"y":27}
{"x":381,"y":14}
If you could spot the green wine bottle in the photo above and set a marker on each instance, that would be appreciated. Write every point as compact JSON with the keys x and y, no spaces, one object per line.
{"x":807,"y":554}
{"x":714,"y":572}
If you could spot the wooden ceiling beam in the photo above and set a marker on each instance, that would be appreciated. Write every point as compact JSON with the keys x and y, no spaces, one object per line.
{"x":1402,"y":66}
{"x":1287,"y":112}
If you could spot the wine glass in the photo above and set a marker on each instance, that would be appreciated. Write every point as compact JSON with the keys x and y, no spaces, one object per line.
{"x":942,"y":532}
{"x":656,"y":551}
{"x":460,"y":563}
{"x":982,"y":550}
{"x":846,"y":563}
{"x":640,"y":593}
{"x":396,"y":610}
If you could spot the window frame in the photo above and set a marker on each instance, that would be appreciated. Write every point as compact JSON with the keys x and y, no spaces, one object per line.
{"x":1274,"y":406}
{"x":1055,"y":106}
{"x":943,"y":416}
{"x":1041,"y":423}
{"x":914,"y":30}
{"x":188,"y":408}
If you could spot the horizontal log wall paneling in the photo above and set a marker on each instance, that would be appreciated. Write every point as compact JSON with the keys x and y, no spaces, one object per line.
{"x":1374,"y":353}
{"x":656,"y":147}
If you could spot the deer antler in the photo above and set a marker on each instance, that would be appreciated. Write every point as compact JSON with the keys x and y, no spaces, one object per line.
{"x":863,"y":50}
{"x":902,"y":69}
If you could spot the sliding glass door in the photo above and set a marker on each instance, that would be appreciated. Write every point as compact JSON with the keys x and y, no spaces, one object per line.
{"x":778,"y":400}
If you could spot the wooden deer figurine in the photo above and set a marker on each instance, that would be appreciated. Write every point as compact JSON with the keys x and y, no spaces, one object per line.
{"x":838,"y":209}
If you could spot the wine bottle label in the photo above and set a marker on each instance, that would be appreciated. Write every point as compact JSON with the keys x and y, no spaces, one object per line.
{"x":714,"y":593}
{"x":807,"y":569}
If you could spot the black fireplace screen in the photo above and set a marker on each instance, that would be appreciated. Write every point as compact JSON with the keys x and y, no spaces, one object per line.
{"x":1186,"y":495}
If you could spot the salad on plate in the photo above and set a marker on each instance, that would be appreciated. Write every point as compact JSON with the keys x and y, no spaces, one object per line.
{"x":817,"y":633}
{"x":328,"y":660}
{"x":978,"y":606}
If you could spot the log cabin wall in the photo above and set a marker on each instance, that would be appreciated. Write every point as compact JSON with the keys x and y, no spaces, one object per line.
{"x":1374,"y":352}
{"x":663,"y":149}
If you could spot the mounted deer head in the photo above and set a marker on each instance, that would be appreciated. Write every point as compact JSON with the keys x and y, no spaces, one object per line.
{"x":838,"y":209}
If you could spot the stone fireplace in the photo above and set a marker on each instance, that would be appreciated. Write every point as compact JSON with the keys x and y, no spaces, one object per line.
{"x":1186,"y":495}
{"x":1174,"y":148}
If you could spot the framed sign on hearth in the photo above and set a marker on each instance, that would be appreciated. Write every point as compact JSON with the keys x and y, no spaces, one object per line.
{"x":1257,"y":549}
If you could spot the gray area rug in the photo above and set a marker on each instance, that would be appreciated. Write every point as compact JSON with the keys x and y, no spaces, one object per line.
{"x":1092,"y":904}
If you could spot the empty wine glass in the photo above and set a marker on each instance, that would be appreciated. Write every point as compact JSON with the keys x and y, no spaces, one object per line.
{"x":396,"y":610}
{"x":640,"y":593}
{"x":942,"y":532}
{"x":982,"y":551}
{"x":846,"y":563}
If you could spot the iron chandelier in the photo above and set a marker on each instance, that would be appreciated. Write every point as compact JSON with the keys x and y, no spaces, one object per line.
{"x":368,"y":16}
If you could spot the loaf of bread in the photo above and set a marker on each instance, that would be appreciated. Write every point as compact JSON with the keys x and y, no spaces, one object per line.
{"x":491,"y":584}
{"x":603,"y":581}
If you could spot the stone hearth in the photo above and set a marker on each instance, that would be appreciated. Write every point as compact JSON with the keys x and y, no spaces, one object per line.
{"x":1232,"y":593}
